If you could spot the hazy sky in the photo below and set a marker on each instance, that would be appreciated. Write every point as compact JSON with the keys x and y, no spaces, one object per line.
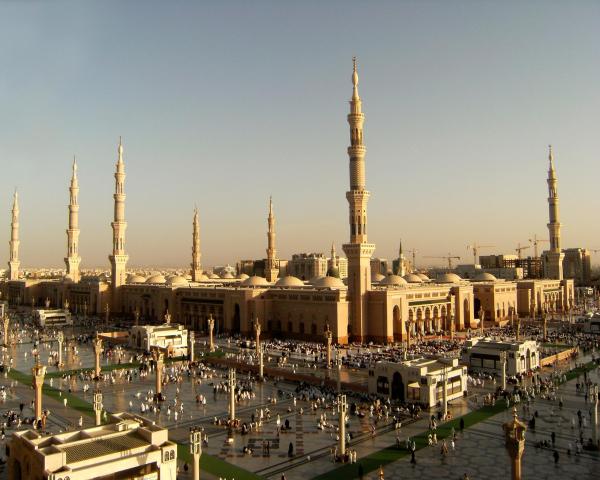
{"x":222,"y":104}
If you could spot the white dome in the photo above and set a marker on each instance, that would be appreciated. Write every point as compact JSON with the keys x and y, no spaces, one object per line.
{"x":377,"y":277}
{"x":226,"y":275}
{"x":243,"y":276}
{"x":136,"y":279}
{"x":177,"y":281}
{"x":393,"y":280}
{"x":289,"y":281}
{"x":156,"y":279}
{"x":254,"y":281}
{"x":448,"y":277}
{"x":484,"y":277}
{"x":422,"y":276}
{"x":214,"y":276}
{"x":412,"y":278}
{"x":329,"y":282}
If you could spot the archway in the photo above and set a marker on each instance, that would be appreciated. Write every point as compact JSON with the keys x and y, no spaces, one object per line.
{"x":397,"y":324}
{"x":236,"y":327}
{"x":397,"y":387}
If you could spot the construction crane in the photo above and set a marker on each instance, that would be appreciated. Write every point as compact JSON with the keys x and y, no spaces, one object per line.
{"x":476,"y":248}
{"x":535,"y":241}
{"x":448,"y":257}
{"x":519,"y":249}
{"x":413,"y":252}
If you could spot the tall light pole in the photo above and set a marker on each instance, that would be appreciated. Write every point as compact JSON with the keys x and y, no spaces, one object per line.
{"x":98,"y":406}
{"x":503,"y":365}
{"x":196,"y":450}
{"x":342,"y":409}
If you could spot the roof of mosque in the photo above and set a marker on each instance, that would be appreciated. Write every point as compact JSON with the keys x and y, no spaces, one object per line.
{"x":156,"y":279}
{"x":393,"y":280}
{"x":328,"y":282}
{"x":289,"y":281}
{"x":448,"y":277}
{"x":413,"y":278}
{"x":254,"y":281}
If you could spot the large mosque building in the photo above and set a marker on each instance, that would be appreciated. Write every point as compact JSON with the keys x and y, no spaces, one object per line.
{"x":364,"y":307}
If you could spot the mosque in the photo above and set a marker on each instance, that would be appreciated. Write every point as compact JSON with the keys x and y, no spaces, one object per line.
{"x":365,"y":307}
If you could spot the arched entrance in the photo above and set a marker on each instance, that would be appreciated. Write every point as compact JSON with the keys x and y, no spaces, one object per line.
{"x":397,"y":387}
{"x":236,"y":327}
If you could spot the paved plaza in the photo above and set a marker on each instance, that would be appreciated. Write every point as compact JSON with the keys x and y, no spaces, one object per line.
{"x":478,"y":451}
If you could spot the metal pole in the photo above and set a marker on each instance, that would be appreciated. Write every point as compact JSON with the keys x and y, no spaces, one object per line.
{"x":342,"y":409}
{"x":232,"y":394}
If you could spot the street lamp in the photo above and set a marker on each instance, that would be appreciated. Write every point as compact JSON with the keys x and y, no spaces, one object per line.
{"x":196,"y":450}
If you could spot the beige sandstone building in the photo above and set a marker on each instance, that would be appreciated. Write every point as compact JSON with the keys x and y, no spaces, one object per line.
{"x":361,"y":307}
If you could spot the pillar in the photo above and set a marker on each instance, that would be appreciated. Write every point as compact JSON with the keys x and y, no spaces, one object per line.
{"x":408,"y":335}
{"x":5,"y":325}
{"x":261,"y":364}
{"x":481,"y":319}
{"x":97,"y":353}
{"x":231,"y":382}
{"x":342,"y":409}
{"x":518,"y":332}
{"x":196,"y":450}
{"x":257,"y":332}
{"x":158,"y":357}
{"x":452,"y":327}
{"x":328,"y":339}
{"x":136,"y":315}
{"x":191,"y":342}
{"x":339,"y":375}
{"x":503,"y":361}
{"x":514,"y":434}
{"x":545,"y":319}
{"x":38,"y":373}
{"x":60,"y":339}
{"x":211,"y":327}
{"x":98,"y":406}
{"x":445,"y":394}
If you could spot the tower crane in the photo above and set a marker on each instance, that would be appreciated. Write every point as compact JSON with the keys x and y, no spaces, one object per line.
{"x":448,"y":257}
{"x":519,"y":249}
{"x":535,"y":241}
{"x":413,"y":252}
{"x":475,"y":247}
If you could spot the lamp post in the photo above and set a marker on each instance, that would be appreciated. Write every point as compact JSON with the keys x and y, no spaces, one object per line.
{"x":342,"y":409}
{"x":328,"y":339}
{"x":503,"y":366}
{"x":514,"y":435}
{"x":211,"y":327}
{"x":232,"y":382}
{"x":60,"y":338}
{"x":5,"y":325}
{"x":191,"y":342}
{"x":97,"y":352}
{"x":338,"y":364}
{"x":38,"y":373}
{"x":261,"y":364}
{"x":594,"y":401}
{"x":158,"y":357}
{"x":257,"y":329}
{"x":196,"y":450}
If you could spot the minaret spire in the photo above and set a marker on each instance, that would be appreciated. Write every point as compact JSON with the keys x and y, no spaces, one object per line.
{"x":272,"y":264}
{"x":553,"y":257}
{"x":196,"y":267}
{"x":401,"y":270}
{"x":72,"y":260}
{"x":358,"y":250}
{"x":14,"y":263}
{"x":119,"y":258}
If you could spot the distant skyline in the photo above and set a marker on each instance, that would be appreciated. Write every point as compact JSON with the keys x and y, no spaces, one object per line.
{"x":223,"y":104}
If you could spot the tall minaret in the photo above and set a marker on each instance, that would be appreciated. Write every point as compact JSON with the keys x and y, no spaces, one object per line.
{"x":553,"y":258}
{"x":13,"y":263}
{"x":196,"y":267}
{"x":119,"y":258}
{"x":401,"y":262}
{"x":72,"y":260}
{"x":358,"y":251}
{"x":272,"y":266}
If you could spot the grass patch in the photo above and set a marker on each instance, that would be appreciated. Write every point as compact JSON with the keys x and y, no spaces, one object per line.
{"x":215,"y":465}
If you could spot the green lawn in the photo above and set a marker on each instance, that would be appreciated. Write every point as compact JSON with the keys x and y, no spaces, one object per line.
{"x":215,"y":465}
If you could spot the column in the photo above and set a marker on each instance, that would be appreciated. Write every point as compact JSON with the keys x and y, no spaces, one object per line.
{"x":503,"y":362}
{"x":261,"y":364}
{"x":231,"y":382}
{"x":594,"y":400}
{"x":545,"y":320}
{"x":407,"y":335}
{"x":191,"y":341}
{"x":445,"y":395}
{"x":97,"y":353}
{"x":196,"y":450}
{"x":338,"y":363}
{"x":38,"y":372}
{"x":328,"y":339}
{"x":211,"y":327}
{"x":158,"y":357}
{"x":5,"y":325}
{"x":98,"y":406}
{"x":342,"y":409}
{"x":481,"y":319}
{"x":257,"y":329}
{"x":60,"y":339}
{"x":136,"y":315}
{"x":518,"y":332}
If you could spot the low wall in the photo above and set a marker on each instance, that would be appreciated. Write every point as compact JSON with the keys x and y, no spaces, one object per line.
{"x":560,"y":356}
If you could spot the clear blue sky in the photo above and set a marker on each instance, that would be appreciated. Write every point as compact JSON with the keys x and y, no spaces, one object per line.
{"x":225,"y":103}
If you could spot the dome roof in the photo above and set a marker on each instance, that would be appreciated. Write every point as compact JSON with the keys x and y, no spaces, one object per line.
{"x":448,"y":277}
{"x":393,"y":280}
{"x":227,"y":275}
{"x":136,"y":279}
{"x":289,"y":281}
{"x":377,"y":277}
{"x":333,"y":272}
{"x":484,"y":277}
{"x":413,"y":278}
{"x":422,"y":276}
{"x":243,"y":276}
{"x":254,"y":281}
{"x":156,"y":279}
{"x":214,"y":276}
{"x":328,"y":282}
{"x":177,"y":281}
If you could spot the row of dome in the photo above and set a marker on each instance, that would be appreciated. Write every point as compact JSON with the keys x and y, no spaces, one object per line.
{"x":447,"y":277}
